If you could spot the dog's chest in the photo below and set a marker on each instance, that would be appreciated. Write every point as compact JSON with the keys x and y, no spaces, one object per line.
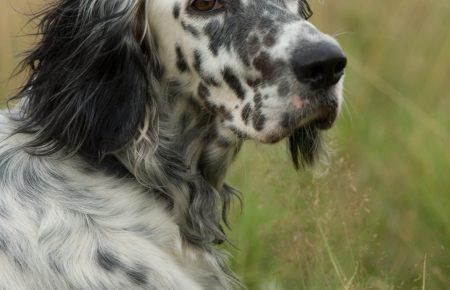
{"x":65,"y":228}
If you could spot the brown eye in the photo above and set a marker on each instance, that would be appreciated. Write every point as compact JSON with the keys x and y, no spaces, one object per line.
{"x":207,"y":5}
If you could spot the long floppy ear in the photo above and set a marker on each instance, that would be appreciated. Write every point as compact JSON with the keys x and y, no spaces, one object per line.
{"x":91,"y":77}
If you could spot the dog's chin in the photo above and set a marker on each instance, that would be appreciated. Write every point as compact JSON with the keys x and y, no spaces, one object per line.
{"x":304,"y":135}
{"x":305,"y":145}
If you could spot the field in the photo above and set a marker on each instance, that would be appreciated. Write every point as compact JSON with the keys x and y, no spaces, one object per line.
{"x":377,"y":216}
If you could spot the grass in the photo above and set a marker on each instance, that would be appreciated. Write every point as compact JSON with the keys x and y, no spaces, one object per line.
{"x":378,"y":217}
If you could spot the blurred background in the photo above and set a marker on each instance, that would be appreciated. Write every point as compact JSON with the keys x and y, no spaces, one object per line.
{"x":377,"y":216}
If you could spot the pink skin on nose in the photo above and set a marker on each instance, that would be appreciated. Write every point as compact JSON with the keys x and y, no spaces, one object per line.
{"x":298,"y":102}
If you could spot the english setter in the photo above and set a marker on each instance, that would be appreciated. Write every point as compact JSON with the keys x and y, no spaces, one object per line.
{"x":112,"y":162}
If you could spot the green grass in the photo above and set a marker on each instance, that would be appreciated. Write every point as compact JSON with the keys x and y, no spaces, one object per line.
{"x":384,"y":204}
{"x":378,"y":216}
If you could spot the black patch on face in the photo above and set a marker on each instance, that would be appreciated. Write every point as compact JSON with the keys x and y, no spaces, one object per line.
{"x":259,"y":120}
{"x":234,"y":83}
{"x":198,"y":68}
{"x":258,"y":101}
{"x":212,"y":30}
{"x":246,"y":113}
{"x":266,"y":66}
{"x":182,"y":64}
{"x":176,"y":11}
{"x":254,"y":83}
{"x":191,"y":29}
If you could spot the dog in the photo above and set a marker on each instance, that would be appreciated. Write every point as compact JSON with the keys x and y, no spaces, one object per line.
{"x":114,"y":153}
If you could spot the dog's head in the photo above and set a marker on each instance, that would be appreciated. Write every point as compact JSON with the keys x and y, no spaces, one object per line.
{"x":257,"y":64}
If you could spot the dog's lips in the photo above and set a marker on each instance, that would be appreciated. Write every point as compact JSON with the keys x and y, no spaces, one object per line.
{"x":323,"y":118}
{"x":326,"y":118}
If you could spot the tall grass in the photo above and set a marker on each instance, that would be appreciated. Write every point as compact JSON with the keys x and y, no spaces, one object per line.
{"x":378,"y":216}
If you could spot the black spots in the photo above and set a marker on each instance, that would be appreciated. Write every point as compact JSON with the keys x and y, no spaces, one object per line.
{"x":190,"y":29}
{"x":283,"y":88}
{"x":238,"y":132}
{"x":198,"y":61}
{"x":213,"y":31}
{"x":269,"y":40}
{"x":263,"y":64}
{"x":253,"y":45}
{"x":137,"y":275}
{"x":234,"y":83}
{"x":246,"y":113}
{"x":271,"y":37}
{"x":20,"y":263}
{"x":182,"y":64}
{"x":254,"y":83}
{"x":267,"y":66}
{"x":203,"y":91}
{"x":108,"y":261}
{"x":258,"y":101}
{"x":3,"y":243}
{"x":198,"y":66}
{"x":259,"y":120}
{"x":176,"y":10}
{"x":224,"y":113}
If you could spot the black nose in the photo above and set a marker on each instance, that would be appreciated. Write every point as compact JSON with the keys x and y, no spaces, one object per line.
{"x":320,"y":65}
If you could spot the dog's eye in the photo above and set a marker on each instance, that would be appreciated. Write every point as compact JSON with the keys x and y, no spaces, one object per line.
{"x":207,"y":5}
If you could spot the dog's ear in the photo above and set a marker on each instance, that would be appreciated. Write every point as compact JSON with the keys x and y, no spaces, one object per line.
{"x":92,"y":76}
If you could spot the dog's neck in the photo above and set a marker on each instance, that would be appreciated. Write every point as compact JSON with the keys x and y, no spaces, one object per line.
{"x":186,"y":163}
{"x":206,"y":147}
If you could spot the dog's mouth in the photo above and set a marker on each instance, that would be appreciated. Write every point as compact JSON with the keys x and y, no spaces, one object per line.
{"x":326,"y":117}
{"x":311,"y":118}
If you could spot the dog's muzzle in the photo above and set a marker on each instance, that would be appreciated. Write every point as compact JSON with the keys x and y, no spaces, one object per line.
{"x":318,"y":68}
